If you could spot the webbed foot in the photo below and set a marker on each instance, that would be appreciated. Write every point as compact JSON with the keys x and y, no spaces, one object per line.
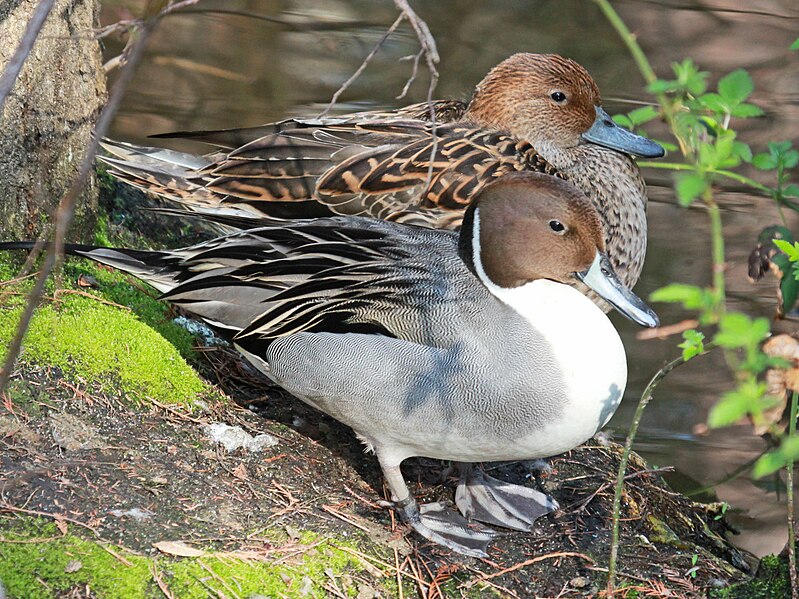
{"x":445,"y":527}
{"x":480,"y":497}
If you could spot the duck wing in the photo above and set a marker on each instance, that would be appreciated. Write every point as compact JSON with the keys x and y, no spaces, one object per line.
{"x":339,"y":275}
{"x":395,"y":167}
{"x":446,"y":111}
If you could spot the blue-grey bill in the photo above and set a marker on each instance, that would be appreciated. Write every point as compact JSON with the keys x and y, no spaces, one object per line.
{"x":605,"y":132}
{"x":604,"y":282}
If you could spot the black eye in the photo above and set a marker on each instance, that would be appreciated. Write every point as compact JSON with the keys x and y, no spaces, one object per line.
{"x":557,"y":226}
{"x":559,"y":97}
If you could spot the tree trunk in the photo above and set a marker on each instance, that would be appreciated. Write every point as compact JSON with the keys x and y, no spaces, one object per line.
{"x":46,"y":123}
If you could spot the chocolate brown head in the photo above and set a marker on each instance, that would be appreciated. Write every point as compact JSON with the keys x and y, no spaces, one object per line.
{"x":529,"y":226}
{"x":543,"y":98}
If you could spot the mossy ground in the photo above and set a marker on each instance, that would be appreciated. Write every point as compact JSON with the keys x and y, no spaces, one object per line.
{"x":63,"y":562}
{"x":300,"y":516}
{"x":138,"y":350}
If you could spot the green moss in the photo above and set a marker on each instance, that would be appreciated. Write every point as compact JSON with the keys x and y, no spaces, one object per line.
{"x":94,"y":341}
{"x":771,"y":580}
{"x":39,"y":569}
{"x":125,"y":290}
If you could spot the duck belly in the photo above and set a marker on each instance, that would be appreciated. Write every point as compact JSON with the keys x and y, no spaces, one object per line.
{"x":520,"y":392}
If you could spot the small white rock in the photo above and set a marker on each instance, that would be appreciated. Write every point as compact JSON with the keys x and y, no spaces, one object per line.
{"x":200,"y":329}
{"x":135,"y":513}
{"x":235,"y":437}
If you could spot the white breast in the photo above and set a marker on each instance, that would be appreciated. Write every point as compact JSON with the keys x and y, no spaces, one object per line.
{"x":588,"y":351}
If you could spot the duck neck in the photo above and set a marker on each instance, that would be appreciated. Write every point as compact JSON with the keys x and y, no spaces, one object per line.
{"x":587,"y":347}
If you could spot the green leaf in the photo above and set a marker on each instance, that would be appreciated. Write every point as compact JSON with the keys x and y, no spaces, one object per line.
{"x":661,"y":87}
{"x":791,"y":191}
{"x":790,"y":158}
{"x":790,"y":249}
{"x":714,"y":102}
{"x":795,"y":45}
{"x":789,"y":290}
{"x":774,"y":460}
{"x":679,"y":292}
{"x":768,"y":463}
{"x":736,"y":404}
{"x":764,"y":162}
{"x":689,"y":187}
{"x":745,"y":111}
{"x":642,"y":115}
{"x":623,"y":120}
{"x":707,"y":155}
{"x":737,"y":330}
{"x":669,"y":147}
{"x":736,"y":87}
{"x":742,"y":151}
{"x":779,"y":147}
{"x":692,"y":345}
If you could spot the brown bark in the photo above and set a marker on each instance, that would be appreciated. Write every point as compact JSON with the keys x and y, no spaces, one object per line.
{"x":47,"y":120}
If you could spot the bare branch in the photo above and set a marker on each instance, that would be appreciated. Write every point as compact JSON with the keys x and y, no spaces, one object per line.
{"x":412,"y":78}
{"x":364,"y":64}
{"x":14,"y":66}
{"x":431,"y":58}
{"x":422,"y":32}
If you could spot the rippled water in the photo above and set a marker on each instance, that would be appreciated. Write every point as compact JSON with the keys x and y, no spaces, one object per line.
{"x":216,"y":68}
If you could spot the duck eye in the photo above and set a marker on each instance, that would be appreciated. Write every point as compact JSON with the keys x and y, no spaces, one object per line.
{"x":558,"y":96}
{"x":557,"y":226}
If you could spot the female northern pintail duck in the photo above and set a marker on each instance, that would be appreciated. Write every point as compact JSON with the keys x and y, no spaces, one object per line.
{"x":427,"y":343}
{"x":536,"y":112}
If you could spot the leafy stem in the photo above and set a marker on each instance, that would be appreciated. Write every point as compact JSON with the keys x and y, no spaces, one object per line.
{"x":679,"y":166}
{"x":717,"y":241}
{"x":631,"y":41}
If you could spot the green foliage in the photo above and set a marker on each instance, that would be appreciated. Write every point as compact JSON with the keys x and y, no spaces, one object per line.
{"x":734,"y":405}
{"x":774,"y":460}
{"x":795,"y":44}
{"x":637,"y":117}
{"x":688,"y":81}
{"x":692,"y":345}
{"x":691,"y":297}
{"x":694,"y":568}
{"x":733,"y":89}
{"x":789,"y":249}
{"x":690,"y":186}
{"x":781,"y":157}
{"x":738,"y":331}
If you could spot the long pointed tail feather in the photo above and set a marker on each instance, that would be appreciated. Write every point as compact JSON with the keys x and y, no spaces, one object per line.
{"x":151,"y":267}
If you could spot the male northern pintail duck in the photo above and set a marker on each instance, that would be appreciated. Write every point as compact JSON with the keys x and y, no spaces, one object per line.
{"x":427,"y":343}
{"x":536,"y":112}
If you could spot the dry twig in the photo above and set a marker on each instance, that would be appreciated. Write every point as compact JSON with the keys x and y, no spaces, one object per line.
{"x":526,"y":563}
{"x":363,"y":66}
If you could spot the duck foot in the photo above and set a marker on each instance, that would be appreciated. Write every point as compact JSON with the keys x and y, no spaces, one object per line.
{"x":480,"y":497}
{"x":448,"y":528}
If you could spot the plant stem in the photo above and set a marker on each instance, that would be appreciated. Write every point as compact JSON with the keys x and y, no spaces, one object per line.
{"x":679,"y":166}
{"x":630,"y":40}
{"x":625,"y":456}
{"x":791,"y":523}
{"x":717,"y":240}
{"x":638,"y":55}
